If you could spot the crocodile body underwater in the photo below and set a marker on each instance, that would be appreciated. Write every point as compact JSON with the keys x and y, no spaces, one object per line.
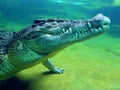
{"x":42,"y":40}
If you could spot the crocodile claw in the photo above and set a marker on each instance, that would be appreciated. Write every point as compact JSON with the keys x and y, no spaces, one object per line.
{"x":58,"y":71}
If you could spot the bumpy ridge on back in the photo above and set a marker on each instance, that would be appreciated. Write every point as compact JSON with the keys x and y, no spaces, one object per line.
{"x":5,"y":38}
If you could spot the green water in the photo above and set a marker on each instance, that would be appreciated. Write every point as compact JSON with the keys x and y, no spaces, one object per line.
{"x":90,"y":65}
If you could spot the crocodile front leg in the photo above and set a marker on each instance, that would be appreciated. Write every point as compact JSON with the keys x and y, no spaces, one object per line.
{"x":51,"y":67}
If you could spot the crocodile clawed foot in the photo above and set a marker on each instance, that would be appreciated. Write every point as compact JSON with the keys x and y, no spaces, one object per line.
{"x":58,"y":71}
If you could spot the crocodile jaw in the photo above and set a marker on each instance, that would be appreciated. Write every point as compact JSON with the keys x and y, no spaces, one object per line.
{"x":90,"y":28}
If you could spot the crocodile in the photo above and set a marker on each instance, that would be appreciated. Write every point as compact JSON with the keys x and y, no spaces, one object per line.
{"x":43,"y":39}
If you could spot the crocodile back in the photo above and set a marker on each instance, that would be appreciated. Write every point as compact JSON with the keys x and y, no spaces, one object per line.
{"x":5,"y":38}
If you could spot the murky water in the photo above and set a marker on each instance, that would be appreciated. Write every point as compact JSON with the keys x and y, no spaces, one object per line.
{"x":90,"y":65}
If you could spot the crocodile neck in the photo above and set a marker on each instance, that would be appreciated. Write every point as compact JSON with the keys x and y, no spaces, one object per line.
{"x":22,"y":56}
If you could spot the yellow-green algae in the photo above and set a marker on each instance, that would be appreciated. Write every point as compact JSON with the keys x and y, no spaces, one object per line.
{"x":89,"y":65}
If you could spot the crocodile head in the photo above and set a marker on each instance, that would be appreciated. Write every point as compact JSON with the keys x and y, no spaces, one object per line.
{"x":46,"y":35}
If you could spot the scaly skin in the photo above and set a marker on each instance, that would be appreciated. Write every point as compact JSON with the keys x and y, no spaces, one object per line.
{"x":42,"y":40}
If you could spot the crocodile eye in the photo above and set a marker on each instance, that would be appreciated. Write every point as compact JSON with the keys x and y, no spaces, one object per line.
{"x":105,"y":24}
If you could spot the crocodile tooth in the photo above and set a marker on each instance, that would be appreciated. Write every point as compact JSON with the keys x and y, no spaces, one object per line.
{"x":63,"y":30}
{"x":70,"y":30}
{"x":76,"y":34}
{"x":89,"y":25}
{"x":84,"y":30}
{"x":96,"y":30}
{"x":100,"y":29}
